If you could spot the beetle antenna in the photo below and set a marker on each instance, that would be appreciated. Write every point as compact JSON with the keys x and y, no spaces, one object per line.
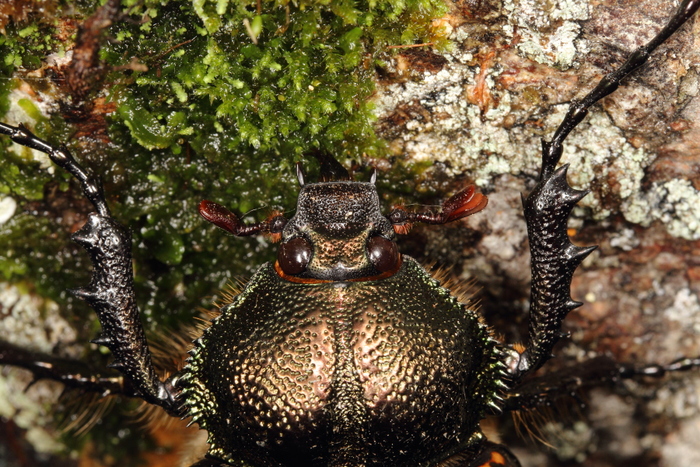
{"x":463,"y":204}
{"x":228,"y":221}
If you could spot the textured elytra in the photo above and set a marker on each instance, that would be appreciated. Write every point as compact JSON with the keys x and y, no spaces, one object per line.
{"x":306,"y":374}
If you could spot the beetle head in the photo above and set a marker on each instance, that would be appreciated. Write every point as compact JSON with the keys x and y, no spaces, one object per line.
{"x":338,"y":232}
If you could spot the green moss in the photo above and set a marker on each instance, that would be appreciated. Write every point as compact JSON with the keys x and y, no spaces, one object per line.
{"x":223,"y":103}
{"x":26,"y":46}
{"x":286,"y":79}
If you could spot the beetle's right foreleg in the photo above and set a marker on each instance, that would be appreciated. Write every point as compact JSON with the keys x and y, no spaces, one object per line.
{"x":553,"y":257}
{"x":111,"y":290}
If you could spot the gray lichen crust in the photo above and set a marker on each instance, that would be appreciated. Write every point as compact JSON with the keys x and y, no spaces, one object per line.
{"x":481,"y":112}
{"x":508,"y":81}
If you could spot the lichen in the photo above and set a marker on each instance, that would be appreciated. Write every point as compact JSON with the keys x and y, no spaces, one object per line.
{"x":560,"y":48}
{"x":479,"y":144}
{"x":685,"y":309}
{"x":676,"y":203}
{"x":35,"y":324}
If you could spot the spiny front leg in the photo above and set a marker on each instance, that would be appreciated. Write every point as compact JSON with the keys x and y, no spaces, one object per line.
{"x":547,"y":208}
{"x":553,"y":261}
{"x":111,"y":290}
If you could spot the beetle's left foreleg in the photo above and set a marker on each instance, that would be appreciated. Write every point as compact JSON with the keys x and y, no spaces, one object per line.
{"x":111,"y":290}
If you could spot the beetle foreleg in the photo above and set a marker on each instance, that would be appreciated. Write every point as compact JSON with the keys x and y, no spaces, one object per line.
{"x":553,"y":261}
{"x":547,"y":208}
{"x":111,"y":290}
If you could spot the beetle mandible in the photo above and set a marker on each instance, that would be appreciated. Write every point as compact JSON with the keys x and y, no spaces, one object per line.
{"x":226,"y":215}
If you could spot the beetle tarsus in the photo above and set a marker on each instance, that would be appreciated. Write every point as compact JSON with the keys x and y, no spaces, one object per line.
{"x":64,"y":159}
{"x":552,"y":150}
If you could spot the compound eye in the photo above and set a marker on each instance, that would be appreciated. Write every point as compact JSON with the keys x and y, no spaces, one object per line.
{"x":294,"y":255}
{"x":383,"y":253}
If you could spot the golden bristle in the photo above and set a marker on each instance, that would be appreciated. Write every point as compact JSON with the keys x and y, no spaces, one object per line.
{"x":464,"y":291}
{"x":531,"y":423}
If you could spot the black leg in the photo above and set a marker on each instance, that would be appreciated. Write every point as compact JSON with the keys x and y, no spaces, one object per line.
{"x":545,"y":391}
{"x":547,"y":209}
{"x":552,"y":150}
{"x":111,"y":290}
{"x":73,"y":374}
{"x":62,"y":158}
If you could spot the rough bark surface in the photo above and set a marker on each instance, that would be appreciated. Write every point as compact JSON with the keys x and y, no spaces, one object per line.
{"x":477,"y":114}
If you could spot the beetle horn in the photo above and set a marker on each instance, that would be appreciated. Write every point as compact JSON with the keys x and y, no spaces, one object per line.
{"x":373,"y":177}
